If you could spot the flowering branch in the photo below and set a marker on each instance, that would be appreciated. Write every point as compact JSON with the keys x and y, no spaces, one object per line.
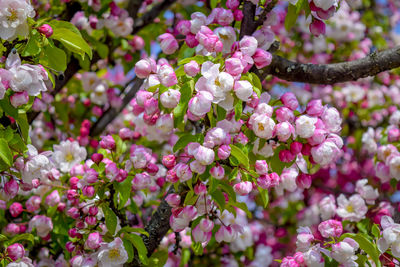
{"x":334,"y":73}
{"x":112,"y":113}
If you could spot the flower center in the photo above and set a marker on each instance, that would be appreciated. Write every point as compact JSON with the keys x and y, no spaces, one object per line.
{"x":260,"y":126}
{"x":350,"y":208}
{"x":69,"y":157}
{"x":114,"y":253}
{"x":217,"y":82}
{"x":13,"y":16}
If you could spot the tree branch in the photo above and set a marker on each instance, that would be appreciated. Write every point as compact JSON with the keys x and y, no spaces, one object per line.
{"x":248,"y":24}
{"x":133,"y":8}
{"x":333,"y":73}
{"x":157,"y":228}
{"x":110,"y":114}
{"x":151,"y":15}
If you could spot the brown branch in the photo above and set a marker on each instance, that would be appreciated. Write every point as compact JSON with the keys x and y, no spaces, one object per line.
{"x":333,"y":73}
{"x":110,"y":114}
{"x":248,"y":24}
{"x":133,"y":8}
{"x":157,"y":228}
{"x":151,"y":15}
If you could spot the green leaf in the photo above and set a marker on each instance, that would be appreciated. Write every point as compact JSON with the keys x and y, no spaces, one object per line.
{"x":239,"y":155}
{"x":183,"y":141}
{"x":375,"y":230}
{"x":275,"y":163}
{"x":72,"y":41}
{"x":60,"y":24}
{"x":54,"y":58}
{"x":111,"y":218}
{"x":180,"y":110}
{"x":291,"y":17}
{"x":221,"y":113}
{"x":129,"y":249}
{"x":5,"y":152}
{"x":129,"y":229}
{"x":140,"y":247}
{"x":22,"y":121}
{"x":199,"y":59}
{"x":264,"y":196}
{"x":238,"y":110}
{"x":365,"y":245}
{"x":124,"y":189}
{"x":214,"y":3}
{"x":197,"y":248}
{"x":21,"y":237}
{"x":158,"y":258}
{"x":257,"y":86}
{"x":185,"y":257}
{"x":3,"y":238}
{"x":219,"y":198}
{"x":33,"y":47}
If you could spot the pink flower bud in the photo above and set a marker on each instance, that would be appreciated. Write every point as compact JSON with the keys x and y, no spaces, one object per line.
{"x":304,"y":181}
{"x":107,"y":142}
{"x":173,"y":200}
{"x":93,"y":241}
{"x":183,"y":27}
{"x":170,"y":98}
{"x":167,"y":76}
{"x":204,"y":155}
{"x":169,"y":161}
{"x":232,"y":4}
{"x":243,"y":188}
{"x":286,"y":156}
{"x":393,"y":135}
{"x":11,"y":188}
{"x":224,"y":151}
{"x":191,"y":40}
{"x":12,"y":229}
{"x":243,"y":90}
{"x":200,"y":104}
{"x":46,"y":30}
{"x":70,"y":246}
{"x":295,"y":147}
{"x":218,"y":172}
{"x":137,"y":42}
{"x":33,"y":203}
{"x":183,"y":172}
{"x":330,"y":228}
{"x":72,"y":232}
{"x":16,"y":209}
{"x":284,"y":114}
{"x":15,"y":251}
{"x":168,"y":43}
{"x":317,"y":27}
{"x":262,"y":58}
{"x":234,"y":66}
{"x":248,"y":45}
{"x":200,"y":189}
{"x":289,"y":100}
{"x":88,"y":191}
{"x":143,"y":68}
{"x":73,"y":213}
{"x":97,"y":158}
{"x":191,"y":68}
{"x":19,"y":98}
{"x":315,"y":107}
{"x":226,"y":234}
{"x":91,"y":220}
{"x":201,"y":236}
{"x":93,"y":210}
{"x":261,"y":167}
{"x":126,"y":134}
{"x":73,"y":182}
{"x":238,"y":15}
{"x":53,"y":199}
